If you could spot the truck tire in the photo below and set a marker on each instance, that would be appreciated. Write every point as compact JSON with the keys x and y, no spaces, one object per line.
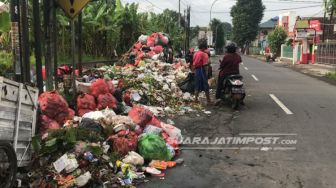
{"x":8,"y":175}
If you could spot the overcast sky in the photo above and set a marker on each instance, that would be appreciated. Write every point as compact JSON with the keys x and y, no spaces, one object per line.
{"x":200,"y":9}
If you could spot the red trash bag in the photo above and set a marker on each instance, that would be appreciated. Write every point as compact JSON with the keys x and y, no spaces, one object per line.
{"x":158,"y":49}
{"x":63,"y":117}
{"x":86,"y":101}
{"x":155,"y":121}
{"x":151,"y":41}
{"x":52,"y":104}
{"x":47,"y":123}
{"x":110,"y":86}
{"x":99,"y":87}
{"x":106,"y":100}
{"x":140,"y":115}
{"x":127,"y":98}
{"x":124,"y":141}
{"x":138,"y":45}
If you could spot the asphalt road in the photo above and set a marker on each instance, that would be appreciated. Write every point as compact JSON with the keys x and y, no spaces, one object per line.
{"x":280,"y":103}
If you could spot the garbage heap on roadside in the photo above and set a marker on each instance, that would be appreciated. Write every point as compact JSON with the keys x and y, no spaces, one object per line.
{"x":100,"y":148}
{"x":155,"y":47}
{"x":116,"y":137}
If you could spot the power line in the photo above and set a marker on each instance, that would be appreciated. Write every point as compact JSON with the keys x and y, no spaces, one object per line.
{"x":153,"y":5}
{"x":272,"y":10}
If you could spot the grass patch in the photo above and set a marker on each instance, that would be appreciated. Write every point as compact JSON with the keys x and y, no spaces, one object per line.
{"x":331,"y":75}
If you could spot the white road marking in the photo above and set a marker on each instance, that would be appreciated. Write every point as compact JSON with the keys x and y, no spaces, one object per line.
{"x":284,"y":108}
{"x":245,"y":68}
{"x":267,"y":134}
{"x":255,"y":78}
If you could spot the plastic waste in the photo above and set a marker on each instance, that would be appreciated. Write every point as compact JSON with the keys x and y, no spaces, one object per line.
{"x":153,"y":147}
{"x":151,"y":170}
{"x":140,"y":115}
{"x":133,"y":158}
{"x":124,"y":141}
{"x":152,"y":130}
{"x":172,"y":131}
{"x":99,"y":87}
{"x":95,"y":115}
{"x":83,"y":179}
{"x":61,"y":163}
{"x":88,"y":156}
{"x":106,"y":101}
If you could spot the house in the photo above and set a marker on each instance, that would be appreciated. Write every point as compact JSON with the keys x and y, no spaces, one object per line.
{"x":264,"y":29}
{"x":260,"y":43}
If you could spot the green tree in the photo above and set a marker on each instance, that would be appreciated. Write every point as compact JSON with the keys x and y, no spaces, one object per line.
{"x":246,"y":16}
{"x":276,"y":38}
{"x":227,"y":30}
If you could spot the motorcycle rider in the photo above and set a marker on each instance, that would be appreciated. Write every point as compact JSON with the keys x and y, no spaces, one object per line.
{"x":229,"y":65}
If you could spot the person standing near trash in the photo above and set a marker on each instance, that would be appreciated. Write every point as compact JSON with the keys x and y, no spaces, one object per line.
{"x":200,"y":61}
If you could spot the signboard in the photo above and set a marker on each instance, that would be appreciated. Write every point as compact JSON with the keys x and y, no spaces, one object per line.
{"x":302,"y":24}
{"x":301,"y":34}
{"x":315,"y":24}
{"x":72,"y":7}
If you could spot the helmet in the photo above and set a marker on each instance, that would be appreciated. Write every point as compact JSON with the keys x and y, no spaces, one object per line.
{"x":231,"y":47}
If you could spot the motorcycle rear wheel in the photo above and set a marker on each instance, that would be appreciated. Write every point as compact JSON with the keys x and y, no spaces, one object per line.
{"x":235,"y":104}
{"x":8,"y":165}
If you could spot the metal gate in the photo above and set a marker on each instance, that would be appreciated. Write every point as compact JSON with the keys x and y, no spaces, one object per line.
{"x":326,"y":53}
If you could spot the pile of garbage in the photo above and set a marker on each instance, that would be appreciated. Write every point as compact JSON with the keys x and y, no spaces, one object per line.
{"x":154,"y":46}
{"x":114,"y":137}
{"x":147,"y":80}
{"x":101,"y":148}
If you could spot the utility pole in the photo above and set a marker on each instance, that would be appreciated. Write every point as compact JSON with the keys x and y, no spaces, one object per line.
{"x":15,"y":35}
{"x":80,"y":66}
{"x":54,"y":39}
{"x":47,"y":43}
{"x":185,"y":31}
{"x":324,"y":20}
{"x":25,"y":41}
{"x":179,"y":21}
{"x":332,"y":20}
{"x":37,"y":40}
{"x":188,"y":28}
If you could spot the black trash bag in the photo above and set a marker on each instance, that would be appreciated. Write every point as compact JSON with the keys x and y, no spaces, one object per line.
{"x":91,"y":125}
{"x":188,"y":85}
{"x":210,"y":75}
{"x":118,"y":94}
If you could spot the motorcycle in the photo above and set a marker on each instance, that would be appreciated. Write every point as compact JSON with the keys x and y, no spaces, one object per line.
{"x":234,"y":91}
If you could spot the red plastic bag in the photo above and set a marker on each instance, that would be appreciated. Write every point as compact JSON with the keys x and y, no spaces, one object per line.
{"x":155,"y":121}
{"x":52,"y":104}
{"x":124,"y":141}
{"x":106,"y":100}
{"x":151,"y":41}
{"x":83,"y":111}
{"x":140,"y":115}
{"x":172,"y":142}
{"x":86,"y":101}
{"x":127,"y":98}
{"x":110,"y":86}
{"x":62,"y":117}
{"x":138,"y":45}
{"x":99,"y":87}
{"x":158,"y":49}
{"x":120,"y":83}
{"x":47,"y":123}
